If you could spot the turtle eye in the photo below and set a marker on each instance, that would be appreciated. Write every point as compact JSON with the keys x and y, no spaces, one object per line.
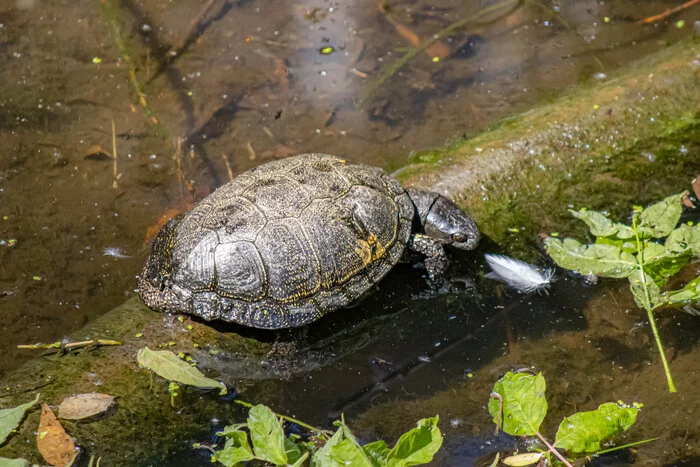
{"x":459,"y":238}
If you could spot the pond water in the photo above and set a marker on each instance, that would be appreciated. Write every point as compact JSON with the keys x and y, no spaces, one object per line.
{"x":191,"y":93}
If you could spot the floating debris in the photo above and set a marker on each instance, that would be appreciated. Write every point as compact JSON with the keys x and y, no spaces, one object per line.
{"x":115,"y":252}
{"x":590,"y":279}
{"x":520,"y":275}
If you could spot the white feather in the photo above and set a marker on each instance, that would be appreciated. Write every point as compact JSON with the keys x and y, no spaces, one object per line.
{"x":518,"y":274}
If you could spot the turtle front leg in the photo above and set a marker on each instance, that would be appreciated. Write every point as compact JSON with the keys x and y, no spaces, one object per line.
{"x":436,"y":261}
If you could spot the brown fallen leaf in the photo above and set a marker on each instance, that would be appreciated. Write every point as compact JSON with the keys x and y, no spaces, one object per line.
{"x":83,"y":406}
{"x":55,"y":445}
{"x":96,"y":153}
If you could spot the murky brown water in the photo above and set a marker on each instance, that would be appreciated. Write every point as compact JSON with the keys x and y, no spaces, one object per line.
{"x":226,"y":85}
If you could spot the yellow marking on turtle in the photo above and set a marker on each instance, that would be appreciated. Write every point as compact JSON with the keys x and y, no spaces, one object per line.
{"x":364,"y":251}
{"x":370,"y":250}
{"x":376,"y":247}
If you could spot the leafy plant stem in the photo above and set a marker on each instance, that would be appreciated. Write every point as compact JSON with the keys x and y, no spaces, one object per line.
{"x":553,"y":450}
{"x":648,"y":307}
{"x":323,"y":433}
{"x":624,"y":446}
{"x":500,"y":409}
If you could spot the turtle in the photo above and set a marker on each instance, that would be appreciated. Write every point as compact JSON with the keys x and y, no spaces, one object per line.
{"x":284,"y":243}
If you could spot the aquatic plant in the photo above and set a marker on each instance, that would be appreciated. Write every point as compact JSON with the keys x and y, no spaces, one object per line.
{"x":265,"y":429}
{"x":518,"y":406}
{"x":635,"y":252}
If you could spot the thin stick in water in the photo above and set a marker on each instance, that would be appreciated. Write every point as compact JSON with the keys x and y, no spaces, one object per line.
{"x":228,"y":166}
{"x":114,"y":156}
{"x":668,"y":12}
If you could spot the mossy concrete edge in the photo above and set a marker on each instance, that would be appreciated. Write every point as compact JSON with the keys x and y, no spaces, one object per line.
{"x":531,"y":156}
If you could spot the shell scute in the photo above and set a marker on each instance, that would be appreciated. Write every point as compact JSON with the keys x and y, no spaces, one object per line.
{"x":290,"y":260}
{"x":240,"y":272}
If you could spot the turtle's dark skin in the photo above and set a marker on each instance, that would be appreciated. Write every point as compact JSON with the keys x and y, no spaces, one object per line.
{"x":289,"y":241}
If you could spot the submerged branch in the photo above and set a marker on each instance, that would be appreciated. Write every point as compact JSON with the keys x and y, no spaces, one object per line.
{"x":71,"y":345}
{"x":668,"y":12}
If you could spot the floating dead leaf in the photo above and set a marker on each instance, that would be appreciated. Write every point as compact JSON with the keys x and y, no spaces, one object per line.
{"x":54,"y":444}
{"x":83,"y":406}
{"x":96,"y":153}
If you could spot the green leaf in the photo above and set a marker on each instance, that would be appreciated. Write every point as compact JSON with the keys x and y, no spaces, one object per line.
{"x":169,"y":366}
{"x":521,"y":460}
{"x":322,"y":457}
{"x":599,"y":258}
{"x":378,"y":451}
{"x":662,"y":263}
{"x":267,"y":434}
{"x":299,"y":462}
{"x":236,"y":450}
{"x":10,"y":418}
{"x":639,"y":291}
{"x":652,"y":252}
{"x":659,"y":220}
{"x":688,"y":294}
{"x":625,"y":245}
{"x":231,"y":429}
{"x":601,"y":226}
{"x":417,"y":446}
{"x":292,"y":451}
{"x":348,"y":452}
{"x":684,"y":240}
{"x":4,"y":462}
{"x":585,"y":432}
{"x":524,"y":403}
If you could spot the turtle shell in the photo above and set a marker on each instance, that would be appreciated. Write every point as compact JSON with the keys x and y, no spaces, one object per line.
{"x":282,"y":244}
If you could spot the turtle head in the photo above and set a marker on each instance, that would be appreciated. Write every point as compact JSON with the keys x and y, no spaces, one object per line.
{"x":447,"y":223}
